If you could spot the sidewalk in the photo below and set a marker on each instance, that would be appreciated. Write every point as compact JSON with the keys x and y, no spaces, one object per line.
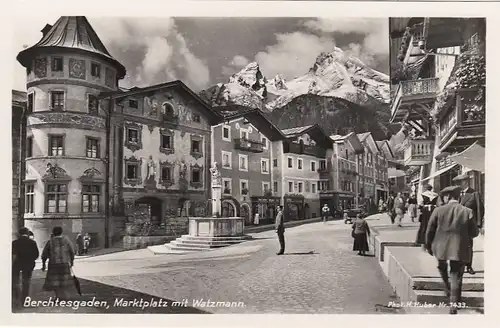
{"x":288,"y":224}
{"x":413,"y":273}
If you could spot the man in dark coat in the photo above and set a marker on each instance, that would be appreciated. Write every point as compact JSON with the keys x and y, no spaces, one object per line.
{"x":390,"y":208}
{"x":448,"y":237}
{"x":473,"y":200}
{"x":279,"y":225}
{"x":24,"y":254}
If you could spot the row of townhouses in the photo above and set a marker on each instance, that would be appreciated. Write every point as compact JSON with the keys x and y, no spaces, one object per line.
{"x":439,"y":95}
{"x":86,"y":152}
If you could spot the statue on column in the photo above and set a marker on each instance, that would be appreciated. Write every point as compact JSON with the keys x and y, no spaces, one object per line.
{"x":216,"y":177}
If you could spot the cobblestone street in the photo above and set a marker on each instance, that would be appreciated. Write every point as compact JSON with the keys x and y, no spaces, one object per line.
{"x":319,"y":273}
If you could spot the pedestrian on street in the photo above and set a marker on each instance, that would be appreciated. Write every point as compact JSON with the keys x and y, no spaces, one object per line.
{"x":360,"y":232}
{"x":86,"y":243}
{"x":428,"y":203}
{"x":399,"y":208}
{"x":279,"y":225}
{"x":59,"y":251}
{"x":473,"y":200}
{"x":448,"y":238}
{"x":24,"y":254}
{"x":412,"y":207}
{"x":79,"y":244}
{"x":325,"y":212}
{"x":390,"y":208}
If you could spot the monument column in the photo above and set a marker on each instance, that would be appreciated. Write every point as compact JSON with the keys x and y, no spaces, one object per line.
{"x":216,"y":191}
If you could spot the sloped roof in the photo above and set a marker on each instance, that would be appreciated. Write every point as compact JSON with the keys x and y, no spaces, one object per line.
{"x":260,"y":121}
{"x":315,"y":131}
{"x":296,"y":130}
{"x":363,"y":136}
{"x":71,"y":32}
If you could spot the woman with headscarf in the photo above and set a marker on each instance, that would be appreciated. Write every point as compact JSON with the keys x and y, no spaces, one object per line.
{"x":428,"y":204}
{"x":360,"y":232}
{"x":59,"y":251}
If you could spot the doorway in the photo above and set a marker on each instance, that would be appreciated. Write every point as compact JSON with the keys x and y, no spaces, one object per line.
{"x":155,"y":208}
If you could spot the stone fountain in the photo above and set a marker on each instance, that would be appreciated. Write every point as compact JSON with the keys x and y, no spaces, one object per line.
{"x":207,"y":233}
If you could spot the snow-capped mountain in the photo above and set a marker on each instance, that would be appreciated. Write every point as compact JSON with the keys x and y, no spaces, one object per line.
{"x":334,"y":74}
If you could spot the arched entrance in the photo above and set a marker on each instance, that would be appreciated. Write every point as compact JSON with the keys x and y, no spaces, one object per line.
{"x":155,"y":208}
{"x":307,"y":211}
{"x":245,"y":213}
{"x":184,"y":207}
{"x":228,"y":209}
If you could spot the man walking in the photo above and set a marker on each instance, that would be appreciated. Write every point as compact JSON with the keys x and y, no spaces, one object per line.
{"x":448,"y":237}
{"x":24,"y":254}
{"x":399,"y":208}
{"x":471,"y":199}
{"x":390,"y":208}
{"x":280,"y":229}
{"x":324,"y":213}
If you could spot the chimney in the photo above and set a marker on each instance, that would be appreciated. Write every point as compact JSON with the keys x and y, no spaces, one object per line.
{"x":46,"y":29}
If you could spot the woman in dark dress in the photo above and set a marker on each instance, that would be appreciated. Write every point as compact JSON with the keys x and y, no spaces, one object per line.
{"x":360,"y":231}
{"x":429,"y":203}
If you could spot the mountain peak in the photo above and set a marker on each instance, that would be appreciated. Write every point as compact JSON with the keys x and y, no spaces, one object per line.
{"x":251,"y":77}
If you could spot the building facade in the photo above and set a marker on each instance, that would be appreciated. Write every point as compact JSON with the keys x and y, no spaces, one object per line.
{"x":246,"y":155}
{"x":18,"y":135}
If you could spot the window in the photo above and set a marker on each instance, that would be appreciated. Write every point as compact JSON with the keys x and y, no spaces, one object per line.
{"x":313,"y":188}
{"x":318,"y":185}
{"x":299,"y":163}
{"x":55,"y":198}
{"x":196,"y":118}
{"x":264,"y":163}
{"x":133,"y":103}
{"x":243,"y":134}
{"x":132,"y":171}
{"x":56,"y":145}
{"x":275,"y":186}
{"x":322,"y":165}
{"x":290,"y":186}
{"x":226,"y":160}
{"x":132,"y":135}
{"x":263,"y":140}
{"x":93,"y":148}
{"x":195,"y":146}
{"x":31,"y":98}
{"x":226,"y":133}
{"x":95,"y":70}
{"x":57,"y":100}
{"x":290,"y":162}
{"x":265,"y":187}
{"x":166,"y":173}
{"x":57,"y":64}
{"x":275,"y":163}
{"x":90,"y":198}
{"x":29,"y":199}
{"x":313,"y":166}
{"x":243,"y":159}
{"x":226,"y":183}
{"x":166,"y":141}
{"x":300,"y":185}
{"x":195,"y":175}
{"x":29,"y":147}
{"x":243,"y":187}
{"x":93,"y":104}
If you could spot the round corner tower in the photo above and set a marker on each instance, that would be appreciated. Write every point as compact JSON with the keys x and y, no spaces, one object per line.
{"x":66,"y":129}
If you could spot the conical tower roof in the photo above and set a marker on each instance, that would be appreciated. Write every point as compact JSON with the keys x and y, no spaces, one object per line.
{"x":70,"y":33}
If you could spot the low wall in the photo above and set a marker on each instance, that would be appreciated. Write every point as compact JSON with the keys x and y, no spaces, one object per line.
{"x":135,"y":242}
{"x":216,"y":227}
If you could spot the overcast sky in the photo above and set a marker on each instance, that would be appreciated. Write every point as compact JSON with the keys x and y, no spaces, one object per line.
{"x":206,"y":51}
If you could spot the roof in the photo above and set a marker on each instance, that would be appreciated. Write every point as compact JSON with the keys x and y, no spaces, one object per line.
{"x":387,"y":150}
{"x":70,"y":32}
{"x":19,"y":98}
{"x":363,"y":136}
{"x":315,"y":131}
{"x":216,"y":117}
{"x":257,"y":118}
{"x":296,"y":131}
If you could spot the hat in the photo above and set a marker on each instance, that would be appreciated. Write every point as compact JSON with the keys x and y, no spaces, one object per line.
{"x":451,"y":190}
{"x":461,"y":177}
{"x":24,"y":231}
{"x":428,"y":187}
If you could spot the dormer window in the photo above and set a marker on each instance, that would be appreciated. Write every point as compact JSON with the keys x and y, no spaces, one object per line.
{"x":57,"y":64}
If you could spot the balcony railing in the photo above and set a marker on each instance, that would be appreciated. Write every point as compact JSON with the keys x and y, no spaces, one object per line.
{"x":419,"y":152}
{"x":444,"y":163}
{"x":249,"y":145}
{"x":315,"y":151}
{"x":466,"y":117}
{"x":413,"y":90}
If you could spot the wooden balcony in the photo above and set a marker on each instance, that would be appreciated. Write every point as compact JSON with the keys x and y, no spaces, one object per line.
{"x":463,"y":122}
{"x":422,"y":91}
{"x":295,"y":148}
{"x":248,"y":145}
{"x":414,"y":47}
{"x":419,"y":152}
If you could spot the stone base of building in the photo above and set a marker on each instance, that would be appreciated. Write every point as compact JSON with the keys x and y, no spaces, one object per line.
{"x":135,"y":242}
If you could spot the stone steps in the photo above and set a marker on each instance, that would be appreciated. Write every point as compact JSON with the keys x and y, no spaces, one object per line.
{"x":432,"y":283}
{"x":187,"y":244}
{"x":470,"y":298}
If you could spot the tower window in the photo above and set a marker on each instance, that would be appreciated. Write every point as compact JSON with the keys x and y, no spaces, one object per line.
{"x":57,"y":64}
{"x":95,"y":70}
{"x":93,"y":104}
{"x":57,"y":100}
{"x":30,"y":102}
{"x":56,"y":145}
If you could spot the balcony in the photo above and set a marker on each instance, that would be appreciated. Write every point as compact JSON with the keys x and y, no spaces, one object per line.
{"x":463,"y":122}
{"x":419,"y":152}
{"x":414,"y":46}
{"x":422,"y":91}
{"x":249,"y":145}
{"x":314,"y":151}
